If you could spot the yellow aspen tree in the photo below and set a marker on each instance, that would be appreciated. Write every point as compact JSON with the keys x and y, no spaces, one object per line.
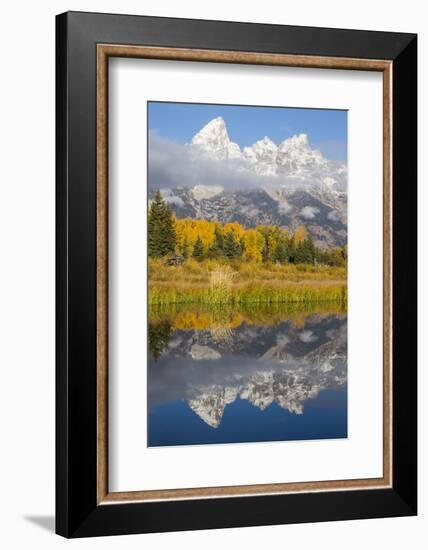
{"x":300,"y":234}
{"x":253,"y":245}
{"x":234,"y":227}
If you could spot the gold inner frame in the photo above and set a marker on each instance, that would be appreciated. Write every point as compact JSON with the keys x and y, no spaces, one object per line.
{"x":104,"y":51}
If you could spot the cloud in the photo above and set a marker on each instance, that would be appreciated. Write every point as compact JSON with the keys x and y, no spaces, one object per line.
{"x":282,"y":340}
{"x":333,"y":215}
{"x":173,"y":165}
{"x":309,"y":212}
{"x":307,"y":336}
{"x":284,"y":207}
{"x":177,"y":201}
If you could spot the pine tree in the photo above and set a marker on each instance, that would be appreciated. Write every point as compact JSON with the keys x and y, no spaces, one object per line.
{"x":218,"y":244}
{"x":311,"y":250}
{"x":291,"y":250}
{"x":231,"y":246}
{"x":167,"y":234}
{"x":280,"y":253}
{"x":265,"y":231}
{"x":305,"y":252}
{"x":198,"y":249}
{"x":161,"y":231}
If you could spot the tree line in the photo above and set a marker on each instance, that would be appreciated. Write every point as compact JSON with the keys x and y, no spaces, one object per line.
{"x":202,"y":239}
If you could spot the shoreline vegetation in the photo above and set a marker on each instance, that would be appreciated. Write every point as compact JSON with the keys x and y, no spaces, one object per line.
{"x":211,"y":282}
{"x":208,"y":263}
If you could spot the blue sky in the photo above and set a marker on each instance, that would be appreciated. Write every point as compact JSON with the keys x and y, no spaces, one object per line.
{"x":327,"y":129}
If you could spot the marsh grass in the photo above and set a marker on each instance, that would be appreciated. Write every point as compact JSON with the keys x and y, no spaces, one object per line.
{"x":249,"y":293}
{"x":194,"y":272}
{"x":221,"y":283}
{"x":214,"y":282}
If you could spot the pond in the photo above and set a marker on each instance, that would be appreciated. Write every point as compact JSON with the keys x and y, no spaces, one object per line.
{"x":255,"y":374}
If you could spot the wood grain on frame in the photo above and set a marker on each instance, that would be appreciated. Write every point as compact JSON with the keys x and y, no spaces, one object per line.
{"x":104,"y":51}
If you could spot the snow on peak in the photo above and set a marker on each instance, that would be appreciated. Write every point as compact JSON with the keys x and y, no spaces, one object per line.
{"x":218,"y":121}
{"x":296,"y":145}
{"x":298,"y":159}
{"x":293,"y":158}
{"x":266,"y":143}
{"x":262,"y":155}
{"x":215,"y":127}
{"x":234,"y":151}
{"x":299,"y":140}
{"x":213,"y":140}
{"x":263,"y":148}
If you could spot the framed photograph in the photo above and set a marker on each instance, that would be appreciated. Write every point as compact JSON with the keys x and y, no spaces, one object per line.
{"x":236,"y":274}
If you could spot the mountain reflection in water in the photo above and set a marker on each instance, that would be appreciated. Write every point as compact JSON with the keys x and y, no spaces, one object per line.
{"x":265,"y":374}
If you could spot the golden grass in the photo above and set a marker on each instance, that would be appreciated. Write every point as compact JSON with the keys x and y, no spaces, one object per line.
{"x":193,"y":271}
{"x":216,"y":282}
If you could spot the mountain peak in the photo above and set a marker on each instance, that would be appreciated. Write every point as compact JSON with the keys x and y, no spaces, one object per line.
{"x":296,"y":141}
{"x":265,"y":143}
{"x":213,"y":141}
{"x":215,"y":127}
{"x":266,"y":139}
{"x":217,"y":121}
{"x":293,"y":158}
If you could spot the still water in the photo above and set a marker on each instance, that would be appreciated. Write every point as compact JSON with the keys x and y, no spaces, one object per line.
{"x":234,"y":376}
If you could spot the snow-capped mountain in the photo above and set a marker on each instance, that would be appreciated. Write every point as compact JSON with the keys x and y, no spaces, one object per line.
{"x":293,"y":161}
{"x":286,"y":184}
{"x":213,"y":141}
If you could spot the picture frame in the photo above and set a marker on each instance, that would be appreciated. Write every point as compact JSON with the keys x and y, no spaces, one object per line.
{"x":84,"y":44}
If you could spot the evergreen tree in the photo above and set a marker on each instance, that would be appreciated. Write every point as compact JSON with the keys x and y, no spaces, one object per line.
{"x":311,"y":250}
{"x":305,"y":252}
{"x":218,"y":240}
{"x":198,"y":249}
{"x":291,"y":250}
{"x":161,"y":231}
{"x":265,"y":231}
{"x":280,"y":253}
{"x":231,"y":246}
{"x":300,"y":255}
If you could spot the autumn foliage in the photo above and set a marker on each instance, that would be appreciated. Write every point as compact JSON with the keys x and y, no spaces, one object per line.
{"x":203,"y":240}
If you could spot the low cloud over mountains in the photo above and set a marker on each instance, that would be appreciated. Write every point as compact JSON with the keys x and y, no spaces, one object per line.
{"x":212,"y":159}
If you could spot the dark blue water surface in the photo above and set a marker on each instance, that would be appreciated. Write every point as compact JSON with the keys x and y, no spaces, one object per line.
{"x":249,"y":382}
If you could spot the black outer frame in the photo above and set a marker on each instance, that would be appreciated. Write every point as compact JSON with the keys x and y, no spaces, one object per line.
{"x":77,"y":513}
